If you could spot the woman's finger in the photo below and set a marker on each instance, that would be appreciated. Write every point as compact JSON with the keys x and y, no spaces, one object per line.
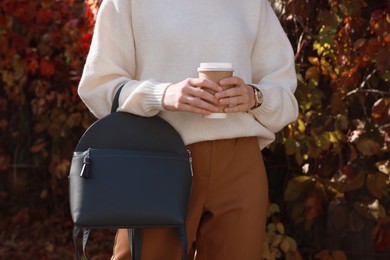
{"x":186,"y":96}
{"x":232,"y":81}
{"x":201,"y":104}
{"x":238,"y":98}
{"x":205,"y":84}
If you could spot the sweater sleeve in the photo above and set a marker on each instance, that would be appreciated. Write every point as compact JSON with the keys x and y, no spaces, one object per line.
{"x":273,"y":72}
{"x":111,"y":62}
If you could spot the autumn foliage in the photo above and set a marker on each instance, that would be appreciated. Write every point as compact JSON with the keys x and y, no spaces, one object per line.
{"x":336,"y":156}
{"x":328,"y":171}
{"x":43,"y":47}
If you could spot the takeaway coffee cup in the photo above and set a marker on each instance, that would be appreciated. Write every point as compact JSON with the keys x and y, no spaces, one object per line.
{"x":215,"y":72}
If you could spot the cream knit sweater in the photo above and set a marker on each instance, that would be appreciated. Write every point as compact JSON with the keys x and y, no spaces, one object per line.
{"x":149,"y":44}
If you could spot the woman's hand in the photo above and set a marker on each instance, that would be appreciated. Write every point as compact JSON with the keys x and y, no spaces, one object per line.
{"x":190,"y":95}
{"x":239,"y":98}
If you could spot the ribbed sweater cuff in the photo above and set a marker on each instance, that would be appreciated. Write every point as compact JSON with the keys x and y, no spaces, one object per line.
{"x":153,"y":101}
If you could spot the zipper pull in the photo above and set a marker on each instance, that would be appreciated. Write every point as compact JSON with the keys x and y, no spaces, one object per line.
{"x":86,"y":162}
{"x":190,"y":160}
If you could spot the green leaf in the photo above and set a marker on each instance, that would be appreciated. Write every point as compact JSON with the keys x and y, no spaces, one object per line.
{"x":298,"y":157}
{"x":341,"y":122}
{"x":297,"y":187}
{"x":355,"y":221}
{"x":368,"y":146}
{"x":386,"y":75}
{"x":290,"y":146}
{"x":298,"y":213}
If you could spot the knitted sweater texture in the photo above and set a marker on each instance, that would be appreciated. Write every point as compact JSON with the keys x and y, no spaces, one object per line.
{"x":149,"y":44}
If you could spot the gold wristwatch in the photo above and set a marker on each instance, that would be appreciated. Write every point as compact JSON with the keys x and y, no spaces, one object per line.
{"x":258,"y":97}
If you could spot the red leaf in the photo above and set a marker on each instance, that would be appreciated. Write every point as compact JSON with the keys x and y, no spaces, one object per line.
{"x":3,"y":124}
{"x":45,"y":16}
{"x":22,"y":217}
{"x":32,"y":66}
{"x":38,"y":146}
{"x":5,"y":162}
{"x":46,"y":67}
{"x":313,"y":207}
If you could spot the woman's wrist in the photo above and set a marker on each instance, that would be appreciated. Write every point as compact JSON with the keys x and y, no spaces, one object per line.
{"x":257,"y":97}
{"x":164,"y":106}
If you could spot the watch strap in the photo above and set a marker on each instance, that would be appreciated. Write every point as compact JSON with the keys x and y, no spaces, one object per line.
{"x":258,"y":96}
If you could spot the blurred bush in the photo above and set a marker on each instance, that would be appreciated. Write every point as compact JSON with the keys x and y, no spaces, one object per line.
{"x":328,"y":171}
{"x":43,"y":48}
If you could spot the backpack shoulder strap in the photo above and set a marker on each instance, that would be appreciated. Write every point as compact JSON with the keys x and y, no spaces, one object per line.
{"x":76,"y":231}
{"x":115,"y":102}
{"x":182,"y":233}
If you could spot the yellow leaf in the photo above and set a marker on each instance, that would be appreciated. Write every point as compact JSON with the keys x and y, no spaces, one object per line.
{"x":276,"y":240}
{"x":285,"y":246}
{"x":301,"y":126}
{"x":272,"y":209}
{"x":383,"y":166}
{"x":288,"y":244}
{"x":280,"y":228}
{"x":327,"y":45}
{"x":318,"y":47}
{"x":312,"y":73}
{"x":377,"y":210}
{"x":314,"y":60}
{"x":271,"y":228}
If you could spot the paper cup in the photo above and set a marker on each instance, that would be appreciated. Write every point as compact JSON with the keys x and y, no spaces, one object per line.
{"x":215,"y":72}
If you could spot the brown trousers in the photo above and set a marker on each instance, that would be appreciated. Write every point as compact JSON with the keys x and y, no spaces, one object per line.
{"x":227,"y":211}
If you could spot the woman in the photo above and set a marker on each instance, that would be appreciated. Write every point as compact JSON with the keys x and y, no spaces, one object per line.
{"x":155,"y":47}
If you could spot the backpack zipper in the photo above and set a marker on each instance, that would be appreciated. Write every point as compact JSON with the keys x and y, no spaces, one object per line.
{"x":190,"y":160}
{"x":86,"y":162}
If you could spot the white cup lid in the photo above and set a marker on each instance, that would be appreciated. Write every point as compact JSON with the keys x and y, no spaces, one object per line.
{"x":215,"y":66}
{"x":216,"y":115}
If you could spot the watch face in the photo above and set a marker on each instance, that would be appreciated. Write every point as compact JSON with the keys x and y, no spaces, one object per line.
{"x":259,"y":96}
